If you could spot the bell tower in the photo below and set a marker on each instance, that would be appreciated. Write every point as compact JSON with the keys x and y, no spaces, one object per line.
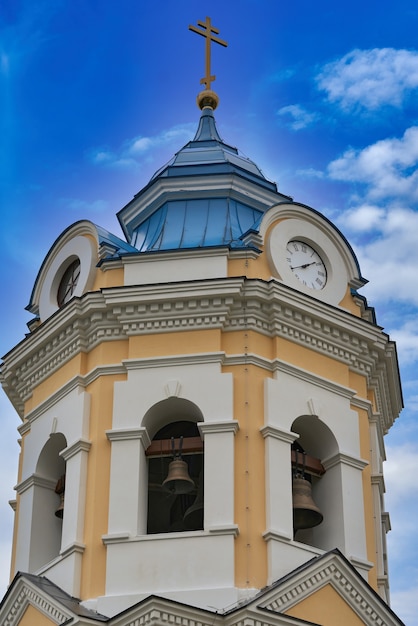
{"x":203,"y":409}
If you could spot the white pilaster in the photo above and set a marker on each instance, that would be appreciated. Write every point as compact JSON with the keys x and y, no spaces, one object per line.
{"x":219,"y":473}
{"x":128,"y":482}
{"x":350,"y":492}
{"x":279,"y":511}
{"x":75,"y":457}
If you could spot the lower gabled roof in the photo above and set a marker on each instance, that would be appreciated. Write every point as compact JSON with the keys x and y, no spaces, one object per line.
{"x":322,"y":591}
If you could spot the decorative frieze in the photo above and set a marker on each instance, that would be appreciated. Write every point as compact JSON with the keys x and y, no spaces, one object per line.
{"x":229,"y":304}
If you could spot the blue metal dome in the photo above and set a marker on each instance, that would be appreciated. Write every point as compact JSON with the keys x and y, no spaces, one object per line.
{"x":207,"y":153}
{"x":207,"y":195}
{"x":196,"y":223}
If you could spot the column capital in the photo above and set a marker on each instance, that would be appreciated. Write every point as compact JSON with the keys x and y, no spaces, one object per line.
{"x":126,"y":434}
{"x":277,"y":433}
{"x":208,"y":428}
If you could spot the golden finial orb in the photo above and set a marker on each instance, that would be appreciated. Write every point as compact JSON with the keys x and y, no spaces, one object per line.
{"x":207,"y":98}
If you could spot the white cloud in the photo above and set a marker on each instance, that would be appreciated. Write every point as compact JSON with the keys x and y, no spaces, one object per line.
{"x":370,"y":78}
{"x":298,"y":116}
{"x":391,"y":224}
{"x":181,"y":132}
{"x":382,"y":223}
{"x":112,"y":159}
{"x":96,"y":206}
{"x":388,"y":256}
{"x":401,"y":471}
{"x":102,"y":156}
{"x":310,"y":172}
{"x":141,"y":144}
{"x":388,"y":168}
{"x":129,"y":153}
{"x":406,"y":338}
{"x":365,"y":218}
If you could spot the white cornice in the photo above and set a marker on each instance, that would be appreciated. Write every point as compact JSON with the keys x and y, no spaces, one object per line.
{"x":345,"y":459}
{"x":276,"y":535}
{"x":170,"y":361}
{"x":228,"y":304}
{"x":378,"y":481}
{"x":231,"y":426}
{"x":82,"y":445}
{"x":361,"y":564}
{"x":198,"y":186}
{"x":24,"y":428}
{"x":175,"y":255}
{"x":278,"y":433}
{"x":314,"y":379}
{"x":364,"y":404}
{"x":248,"y":358}
{"x":129,"y":434}
{"x":122,"y":537}
{"x":35,"y":481}
{"x":74,"y":383}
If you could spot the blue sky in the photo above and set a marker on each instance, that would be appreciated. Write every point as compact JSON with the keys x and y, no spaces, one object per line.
{"x":95,"y":95}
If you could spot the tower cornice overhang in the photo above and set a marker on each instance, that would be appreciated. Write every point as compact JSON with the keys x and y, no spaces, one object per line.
{"x":216,"y":185}
{"x":227,"y":304}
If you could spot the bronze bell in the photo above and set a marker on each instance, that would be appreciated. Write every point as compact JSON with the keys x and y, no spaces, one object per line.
{"x":178,"y":480}
{"x":305,"y":512}
{"x":60,"y":490}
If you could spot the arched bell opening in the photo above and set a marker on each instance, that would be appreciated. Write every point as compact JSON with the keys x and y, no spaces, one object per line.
{"x":175,"y":468}
{"x":48,"y":503}
{"x":316,"y":494}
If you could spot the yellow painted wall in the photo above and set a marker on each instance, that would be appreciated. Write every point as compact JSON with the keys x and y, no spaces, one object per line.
{"x":107,"y":353}
{"x":250,"y":547}
{"x":240,"y":342}
{"x":72,"y":368}
{"x":311,"y":360}
{"x":359,"y":383}
{"x":33,"y":617}
{"x":326,"y":607}
{"x":252,"y":268}
{"x":186,"y":342}
{"x":98,"y":479}
{"x":348,"y":303}
{"x":108,"y":278}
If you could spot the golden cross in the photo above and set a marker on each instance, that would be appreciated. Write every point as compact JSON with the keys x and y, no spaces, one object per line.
{"x":208,"y":33}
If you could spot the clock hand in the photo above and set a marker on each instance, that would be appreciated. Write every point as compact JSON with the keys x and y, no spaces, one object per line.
{"x":303,"y":266}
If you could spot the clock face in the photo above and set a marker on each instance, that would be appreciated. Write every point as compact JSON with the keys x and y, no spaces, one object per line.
{"x":68,"y":283}
{"x":306,"y":264}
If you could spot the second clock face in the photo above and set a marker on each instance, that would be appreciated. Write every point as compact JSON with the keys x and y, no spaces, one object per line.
{"x":306,"y":264}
